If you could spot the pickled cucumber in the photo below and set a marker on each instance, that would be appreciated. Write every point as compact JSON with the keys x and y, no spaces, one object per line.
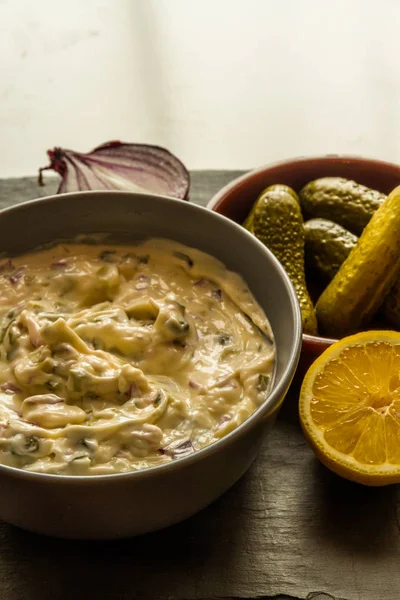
{"x":366,"y":276}
{"x":327,"y":245}
{"x":276,"y":220}
{"x":343,"y":201}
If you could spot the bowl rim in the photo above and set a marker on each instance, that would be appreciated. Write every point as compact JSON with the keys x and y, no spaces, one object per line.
{"x":321,"y":158}
{"x":270,"y":404}
{"x":319,"y":339}
{"x":240,"y":181}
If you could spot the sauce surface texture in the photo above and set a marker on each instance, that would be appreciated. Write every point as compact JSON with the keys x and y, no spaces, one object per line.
{"x":118,"y":358}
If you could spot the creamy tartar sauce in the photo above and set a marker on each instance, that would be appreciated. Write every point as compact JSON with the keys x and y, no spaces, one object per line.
{"x":117,"y":358}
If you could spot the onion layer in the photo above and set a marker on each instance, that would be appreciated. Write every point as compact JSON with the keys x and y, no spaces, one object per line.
{"x":120,"y":166}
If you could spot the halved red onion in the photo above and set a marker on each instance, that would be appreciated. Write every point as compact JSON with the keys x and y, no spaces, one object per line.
{"x":120,"y":166}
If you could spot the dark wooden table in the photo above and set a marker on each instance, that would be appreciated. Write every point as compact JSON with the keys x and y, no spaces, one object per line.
{"x":288,"y":530}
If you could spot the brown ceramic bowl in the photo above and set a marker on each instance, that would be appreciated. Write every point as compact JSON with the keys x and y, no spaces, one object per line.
{"x":235,"y":200}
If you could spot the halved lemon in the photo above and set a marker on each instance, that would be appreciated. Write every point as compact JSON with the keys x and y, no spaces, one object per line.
{"x":350,"y":407}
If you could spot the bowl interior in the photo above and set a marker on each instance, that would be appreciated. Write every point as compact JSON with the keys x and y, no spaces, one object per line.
{"x":236,"y":199}
{"x":131,"y":217}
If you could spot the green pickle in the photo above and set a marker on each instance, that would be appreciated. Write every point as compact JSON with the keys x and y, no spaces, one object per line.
{"x":276,"y":220}
{"x":343,"y":201}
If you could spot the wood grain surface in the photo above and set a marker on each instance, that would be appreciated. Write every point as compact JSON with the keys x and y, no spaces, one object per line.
{"x":288,"y":530}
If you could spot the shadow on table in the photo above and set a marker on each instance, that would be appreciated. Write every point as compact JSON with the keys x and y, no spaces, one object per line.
{"x":364,"y":520}
{"x":357,"y":518}
{"x":170,"y":563}
{"x":340,"y":513}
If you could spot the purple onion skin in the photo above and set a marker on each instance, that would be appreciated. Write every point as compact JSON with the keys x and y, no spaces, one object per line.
{"x":10,"y":387}
{"x":16,"y":276}
{"x":185,"y":447}
{"x":151,"y":167}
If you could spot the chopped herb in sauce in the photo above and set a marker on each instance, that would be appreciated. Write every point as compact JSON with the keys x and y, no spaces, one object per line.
{"x":76,"y":378}
{"x":108,"y":256}
{"x":158,"y":398}
{"x":224,"y":339}
{"x":13,"y":334}
{"x":180,"y":306}
{"x":178,"y":327}
{"x":52,"y":385}
{"x":185,"y":257}
{"x":5,"y":329}
{"x":21,"y":444}
{"x":32,"y":444}
{"x":143,"y":259}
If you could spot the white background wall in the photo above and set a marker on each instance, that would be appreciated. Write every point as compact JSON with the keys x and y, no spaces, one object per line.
{"x":223,"y":83}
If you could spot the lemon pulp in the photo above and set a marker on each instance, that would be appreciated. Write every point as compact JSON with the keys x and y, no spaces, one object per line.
{"x":350,"y":407}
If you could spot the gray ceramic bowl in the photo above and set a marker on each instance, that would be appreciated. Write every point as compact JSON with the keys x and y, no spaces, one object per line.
{"x":122,"y":505}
